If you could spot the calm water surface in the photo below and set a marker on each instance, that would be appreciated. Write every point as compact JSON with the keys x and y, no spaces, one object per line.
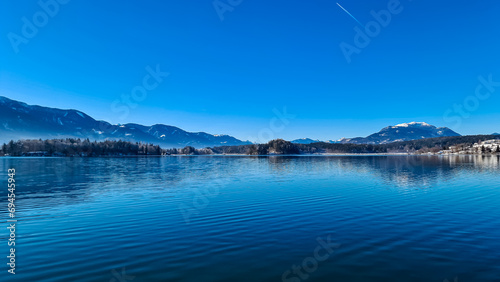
{"x":392,"y":218}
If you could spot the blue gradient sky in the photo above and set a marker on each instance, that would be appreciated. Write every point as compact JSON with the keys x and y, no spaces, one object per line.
{"x":228,"y":76}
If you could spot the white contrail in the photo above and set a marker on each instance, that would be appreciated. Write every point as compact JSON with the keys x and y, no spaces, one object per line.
{"x":349,"y":14}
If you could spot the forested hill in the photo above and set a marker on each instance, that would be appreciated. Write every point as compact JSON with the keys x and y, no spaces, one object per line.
{"x":414,"y":146}
{"x":71,"y":147}
{"x":86,"y":148}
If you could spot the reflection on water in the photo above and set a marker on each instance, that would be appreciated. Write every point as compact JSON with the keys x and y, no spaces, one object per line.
{"x":397,"y":218}
{"x":401,"y":171}
{"x":53,"y":173}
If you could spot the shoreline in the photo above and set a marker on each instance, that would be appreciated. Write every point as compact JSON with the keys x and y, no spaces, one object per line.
{"x":246,"y":155}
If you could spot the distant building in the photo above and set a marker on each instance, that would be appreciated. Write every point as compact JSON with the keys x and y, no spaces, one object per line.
{"x":488,"y":146}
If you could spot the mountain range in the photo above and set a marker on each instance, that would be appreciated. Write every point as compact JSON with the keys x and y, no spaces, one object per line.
{"x":402,"y":132}
{"x":19,"y":120}
{"x":396,"y":133}
{"x":305,"y":141}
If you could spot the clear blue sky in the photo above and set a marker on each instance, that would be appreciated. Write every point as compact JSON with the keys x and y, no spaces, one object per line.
{"x":227,"y":76}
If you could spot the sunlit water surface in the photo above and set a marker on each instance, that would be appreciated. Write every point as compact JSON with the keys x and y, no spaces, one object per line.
{"x":394,"y":218}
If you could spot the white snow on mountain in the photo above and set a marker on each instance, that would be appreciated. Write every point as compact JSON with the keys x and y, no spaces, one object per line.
{"x":411,"y":123}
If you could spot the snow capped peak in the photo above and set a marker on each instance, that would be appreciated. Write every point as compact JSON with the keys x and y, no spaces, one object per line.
{"x":412,"y":123}
{"x":304,"y":141}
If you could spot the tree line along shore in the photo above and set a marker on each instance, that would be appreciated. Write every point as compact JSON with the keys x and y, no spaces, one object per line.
{"x":74,"y":147}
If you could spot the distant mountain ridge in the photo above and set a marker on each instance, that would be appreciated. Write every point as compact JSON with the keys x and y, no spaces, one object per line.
{"x":20,"y":120}
{"x":402,"y":132}
{"x":304,"y":141}
{"x":397,"y":133}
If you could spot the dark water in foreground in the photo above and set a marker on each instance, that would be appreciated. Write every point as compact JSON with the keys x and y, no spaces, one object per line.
{"x":392,"y":218}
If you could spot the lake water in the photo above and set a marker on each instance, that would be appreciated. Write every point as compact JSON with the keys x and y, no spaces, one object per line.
{"x":213,"y":218}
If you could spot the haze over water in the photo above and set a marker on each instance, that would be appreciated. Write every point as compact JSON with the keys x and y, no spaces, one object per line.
{"x":395,"y":218}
